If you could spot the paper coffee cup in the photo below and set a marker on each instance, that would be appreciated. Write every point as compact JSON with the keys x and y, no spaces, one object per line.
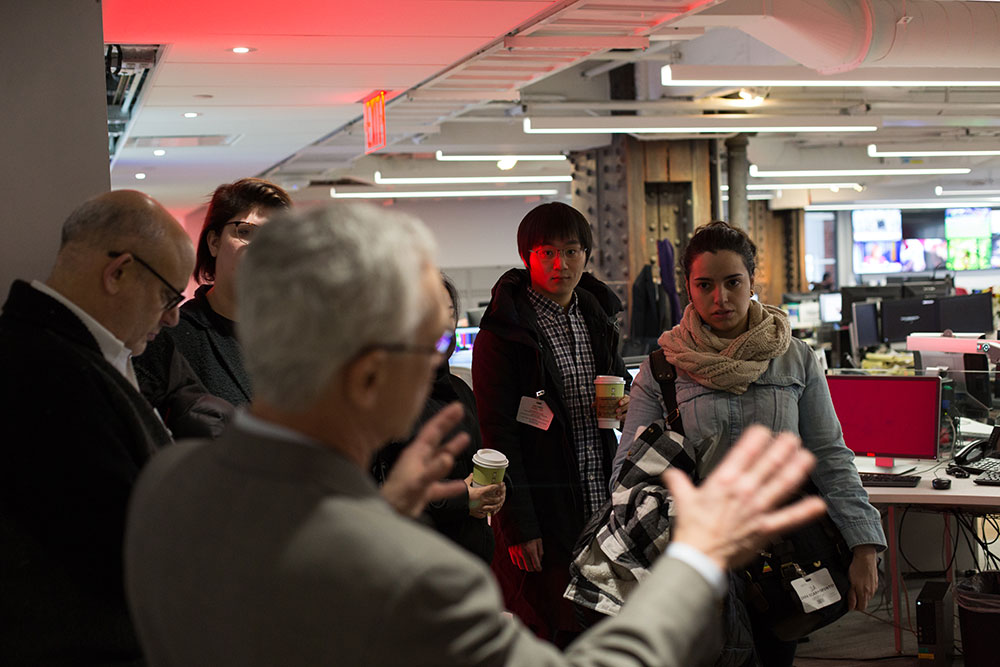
{"x":609,"y":389}
{"x":488,"y":467}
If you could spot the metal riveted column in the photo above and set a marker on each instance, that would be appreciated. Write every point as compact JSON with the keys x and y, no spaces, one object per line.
{"x":738,"y":170}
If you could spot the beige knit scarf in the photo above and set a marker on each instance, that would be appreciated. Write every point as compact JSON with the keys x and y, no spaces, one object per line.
{"x":727,"y":364}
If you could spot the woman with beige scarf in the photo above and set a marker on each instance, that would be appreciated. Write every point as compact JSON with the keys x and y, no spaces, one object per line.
{"x":737,"y":364}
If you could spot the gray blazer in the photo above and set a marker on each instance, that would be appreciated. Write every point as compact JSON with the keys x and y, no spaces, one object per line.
{"x":256,"y":551}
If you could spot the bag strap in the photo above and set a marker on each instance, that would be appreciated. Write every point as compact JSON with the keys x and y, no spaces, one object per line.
{"x":665,"y":374}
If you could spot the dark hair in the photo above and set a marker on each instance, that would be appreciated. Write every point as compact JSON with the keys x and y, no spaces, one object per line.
{"x":550,"y":222}
{"x":246,"y":194}
{"x":452,"y":292}
{"x":716,"y":236}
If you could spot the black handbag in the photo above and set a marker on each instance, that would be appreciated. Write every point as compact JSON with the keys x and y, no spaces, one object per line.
{"x":770,"y":595}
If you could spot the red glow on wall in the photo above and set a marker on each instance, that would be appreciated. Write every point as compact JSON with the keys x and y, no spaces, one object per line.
{"x":374,"y":119}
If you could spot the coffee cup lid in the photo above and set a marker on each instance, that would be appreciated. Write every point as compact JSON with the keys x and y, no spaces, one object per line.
{"x":490,"y":458}
{"x":609,"y":379}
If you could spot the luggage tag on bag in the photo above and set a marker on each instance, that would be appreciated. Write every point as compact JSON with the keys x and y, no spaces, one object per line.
{"x":816,"y":590}
{"x":535,"y":412}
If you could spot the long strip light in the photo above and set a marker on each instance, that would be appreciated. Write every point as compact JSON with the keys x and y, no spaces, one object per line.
{"x":873,"y":151}
{"x":469,"y":180}
{"x":913,"y":206}
{"x":718,"y":124}
{"x":822,"y":173}
{"x":796,"y":76}
{"x":752,"y":197}
{"x":438,"y":155}
{"x":941,"y":192}
{"x":801,"y":186}
{"x":434,"y":194}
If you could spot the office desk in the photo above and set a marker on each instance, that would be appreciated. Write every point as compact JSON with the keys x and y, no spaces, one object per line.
{"x":963,"y":494}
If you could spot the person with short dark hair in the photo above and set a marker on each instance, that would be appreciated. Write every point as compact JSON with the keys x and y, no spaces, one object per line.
{"x":738,"y":364}
{"x":203,"y":353}
{"x":462,"y":518}
{"x":549,"y":330}
{"x":76,"y":431}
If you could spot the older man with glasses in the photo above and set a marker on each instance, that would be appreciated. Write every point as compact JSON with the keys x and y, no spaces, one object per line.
{"x":272,"y":546}
{"x":76,"y":430}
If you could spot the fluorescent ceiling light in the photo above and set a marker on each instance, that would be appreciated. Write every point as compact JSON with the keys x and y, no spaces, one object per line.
{"x":941,"y":192}
{"x":495,"y":158}
{"x":385,"y":194}
{"x":821,"y":173}
{"x":913,"y":206}
{"x":752,"y":197}
{"x":717,"y":124}
{"x":801,"y":186}
{"x":776,"y":76}
{"x":873,"y":151}
{"x":469,"y":180}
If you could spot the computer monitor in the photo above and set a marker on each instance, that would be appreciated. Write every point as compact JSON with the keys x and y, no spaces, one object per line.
{"x":829,"y":307}
{"x":927,"y":289}
{"x":865,"y":325}
{"x":969,"y":377}
{"x":464,"y":339}
{"x":888,"y":416}
{"x":967,"y":313}
{"x":474,"y":315}
{"x":901,"y":317}
{"x":854,"y":293}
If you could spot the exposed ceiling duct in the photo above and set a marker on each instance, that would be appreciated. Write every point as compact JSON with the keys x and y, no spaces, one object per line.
{"x":832,"y":36}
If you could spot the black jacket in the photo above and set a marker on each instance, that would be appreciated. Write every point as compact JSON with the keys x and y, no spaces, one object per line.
{"x":510,"y":360}
{"x":451,"y":516}
{"x":193,"y":373}
{"x":75,"y":435}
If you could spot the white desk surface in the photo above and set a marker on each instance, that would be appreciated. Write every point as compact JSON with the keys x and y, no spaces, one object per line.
{"x":963,"y":492}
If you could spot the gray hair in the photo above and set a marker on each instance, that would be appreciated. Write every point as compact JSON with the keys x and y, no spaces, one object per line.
{"x":317,"y":287}
{"x":104,"y":222}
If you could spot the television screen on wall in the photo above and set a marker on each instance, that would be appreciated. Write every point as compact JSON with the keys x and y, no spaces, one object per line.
{"x":877,"y":257}
{"x":877,"y":225}
{"x":967,"y":223}
{"x":969,"y":254}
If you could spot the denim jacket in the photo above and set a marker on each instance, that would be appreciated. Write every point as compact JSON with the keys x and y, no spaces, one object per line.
{"x":791,"y":395}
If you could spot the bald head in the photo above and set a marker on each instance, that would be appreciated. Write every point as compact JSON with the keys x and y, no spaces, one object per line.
{"x":123,"y":292}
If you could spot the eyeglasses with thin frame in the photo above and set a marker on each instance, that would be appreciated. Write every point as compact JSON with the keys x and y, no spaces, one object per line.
{"x":440,"y":346}
{"x":245,"y":231}
{"x":168,"y":303}
{"x":548,"y":254}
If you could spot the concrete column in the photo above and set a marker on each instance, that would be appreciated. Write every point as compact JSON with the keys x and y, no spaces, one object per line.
{"x":738,"y":168}
{"x":53,"y":132}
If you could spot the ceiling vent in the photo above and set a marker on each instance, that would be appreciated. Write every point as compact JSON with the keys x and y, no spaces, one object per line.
{"x":191,"y":141}
{"x":126,"y":71}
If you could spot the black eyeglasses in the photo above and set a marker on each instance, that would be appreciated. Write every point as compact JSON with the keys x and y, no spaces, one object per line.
{"x":168,"y":303}
{"x":440,"y":346}
{"x":245,"y":231}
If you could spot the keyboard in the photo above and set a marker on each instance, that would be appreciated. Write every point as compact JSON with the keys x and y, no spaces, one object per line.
{"x":988,"y":478}
{"x":888,"y":479}
{"x":989,"y":464}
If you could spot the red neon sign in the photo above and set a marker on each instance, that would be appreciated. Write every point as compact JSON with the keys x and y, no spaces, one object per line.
{"x":374,"y":121}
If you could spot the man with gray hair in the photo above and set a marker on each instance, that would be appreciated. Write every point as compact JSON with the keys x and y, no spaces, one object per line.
{"x":76,"y":430}
{"x":272,"y":546}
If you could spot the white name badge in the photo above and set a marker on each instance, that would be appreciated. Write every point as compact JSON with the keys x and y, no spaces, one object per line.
{"x":534,"y":412}
{"x":816,"y":590}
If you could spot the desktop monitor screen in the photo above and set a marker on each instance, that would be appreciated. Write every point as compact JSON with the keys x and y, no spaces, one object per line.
{"x":901,"y":317}
{"x":882,"y":415}
{"x":967,"y":223}
{"x":829,"y":306}
{"x":866,"y":325}
{"x":877,"y":225}
{"x":854,"y":293}
{"x":967,"y":313}
{"x":927,"y":289}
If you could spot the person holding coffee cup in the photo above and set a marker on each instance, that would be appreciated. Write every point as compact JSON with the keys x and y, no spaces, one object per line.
{"x":547,"y":335}
{"x":461,"y":518}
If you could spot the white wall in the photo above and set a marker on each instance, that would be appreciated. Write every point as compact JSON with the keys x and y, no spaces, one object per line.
{"x":53,"y":133}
